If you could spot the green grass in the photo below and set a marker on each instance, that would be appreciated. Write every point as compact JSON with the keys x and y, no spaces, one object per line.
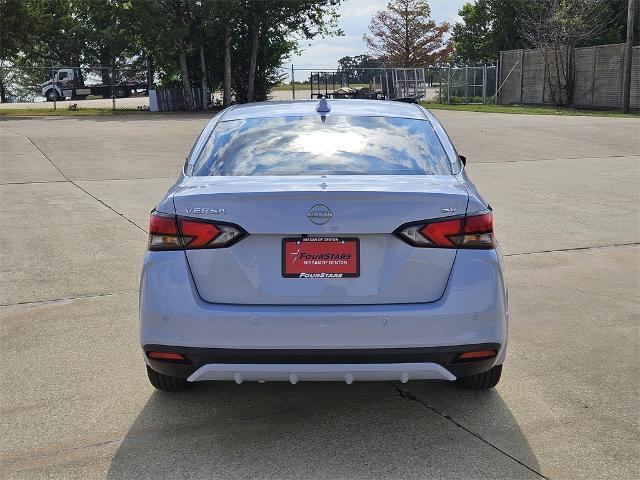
{"x":281,"y":88}
{"x":531,"y":110}
{"x":517,"y":109}
{"x":81,"y":112}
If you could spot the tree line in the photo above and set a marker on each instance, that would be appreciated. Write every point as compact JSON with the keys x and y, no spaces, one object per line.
{"x":553,"y":27}
{"x":403,"y":34}
{"x":235,"y":45}
{"x":239,"y":45}
{"x":489,"y":26}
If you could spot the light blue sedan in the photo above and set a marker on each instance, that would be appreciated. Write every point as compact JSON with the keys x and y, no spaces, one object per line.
{"x":336,"y":240}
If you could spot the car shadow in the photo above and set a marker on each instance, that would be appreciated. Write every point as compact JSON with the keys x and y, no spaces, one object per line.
{"x":316,"y":430}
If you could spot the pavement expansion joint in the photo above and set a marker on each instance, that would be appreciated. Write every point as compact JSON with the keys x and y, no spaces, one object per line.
{"x":64,"y":299}
{"x":85,"y":191}
{"x":34,"y":183}
{"x":547,"y":159}
{"x":573,"y":249}
{"x":410,"y":396}
{"x":87,"y":180}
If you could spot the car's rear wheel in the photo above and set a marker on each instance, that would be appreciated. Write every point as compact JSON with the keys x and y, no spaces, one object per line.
{"x":165,"y":382}
{"x":481,"y":381}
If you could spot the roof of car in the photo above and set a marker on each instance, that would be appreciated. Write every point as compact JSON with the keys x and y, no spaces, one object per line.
{"x":370,"y":108}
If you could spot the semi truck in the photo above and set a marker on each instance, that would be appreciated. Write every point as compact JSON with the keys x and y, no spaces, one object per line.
{"x":68,"y":83}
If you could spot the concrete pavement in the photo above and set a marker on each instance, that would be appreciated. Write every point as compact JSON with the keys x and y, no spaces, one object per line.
{"x":74,"y":398}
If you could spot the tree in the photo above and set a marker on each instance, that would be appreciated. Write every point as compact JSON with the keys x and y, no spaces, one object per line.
{"x":236,"y":44}
{"x":167,"y":36}
{"x":284,"y":19}
{"x":405,"y":35}
{"x":14,"y":35}
{"x":472,"y":39}
{"x":358,"y":68}
{"x":557,"y":29}
{"x":489,"y":26}
{"x":226,"y":98}
{"x":15,"y":27}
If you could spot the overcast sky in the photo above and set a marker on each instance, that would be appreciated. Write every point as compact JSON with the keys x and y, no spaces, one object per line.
{"x":354,"y":21}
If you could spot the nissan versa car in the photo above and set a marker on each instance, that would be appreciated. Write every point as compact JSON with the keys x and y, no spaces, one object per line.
{"x":336,"y":240}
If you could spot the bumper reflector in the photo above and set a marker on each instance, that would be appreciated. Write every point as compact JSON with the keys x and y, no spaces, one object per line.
{"x":166,"y":356}
{"x":477,"y":355}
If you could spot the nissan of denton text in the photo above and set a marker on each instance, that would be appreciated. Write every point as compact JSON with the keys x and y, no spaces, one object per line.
{"x":334,"y":240}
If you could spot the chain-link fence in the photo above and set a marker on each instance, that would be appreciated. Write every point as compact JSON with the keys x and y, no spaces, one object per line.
{"x":469,"y":84}
{"x":24,"y":86}
{"x":442,"y":84}
{"x":106,"y":87}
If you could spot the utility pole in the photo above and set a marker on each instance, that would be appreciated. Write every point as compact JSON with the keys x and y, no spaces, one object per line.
{"x":628,"y":53}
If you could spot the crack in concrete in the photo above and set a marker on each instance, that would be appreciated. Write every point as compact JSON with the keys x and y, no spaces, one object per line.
{"x":410,"y":396}
{"x":85,"y":191}
{"x":123,"y":179}
{"x":34,"y":456}
{"x":34,"y":183}
{"x":572,"y":249}
{"x":548,"y":159}
{"x":63,"y":299}
{"x":88,"y":180}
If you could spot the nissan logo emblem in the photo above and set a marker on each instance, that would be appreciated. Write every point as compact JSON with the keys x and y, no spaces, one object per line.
{"x":319,"y":214}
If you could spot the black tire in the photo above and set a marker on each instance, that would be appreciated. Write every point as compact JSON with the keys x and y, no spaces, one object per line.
{"x":52,"y":95}
{"x":481,"y":381}
{"x":165,"y":382}
{"x":121,"y":92}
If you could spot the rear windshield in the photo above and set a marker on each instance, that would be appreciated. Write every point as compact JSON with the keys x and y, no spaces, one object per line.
{"x":333,"y":145}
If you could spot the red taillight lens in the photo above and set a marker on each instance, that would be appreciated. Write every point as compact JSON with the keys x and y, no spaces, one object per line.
{"x":472,"y":231}
{"x":197,"y":234}
{"x":478,"y":232}
{"x":163,"y":232}
{"x":443,"y":234}
{"x":168,"y":232}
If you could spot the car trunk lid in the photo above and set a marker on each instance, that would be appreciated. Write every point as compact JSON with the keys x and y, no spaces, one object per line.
{"x":366,"y":208}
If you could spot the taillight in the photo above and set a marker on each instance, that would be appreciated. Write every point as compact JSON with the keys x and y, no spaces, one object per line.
{"x":168,"y":232}
{"x":478,"y":232}
{"x":470,"y":231}
{"x":163,"y":232}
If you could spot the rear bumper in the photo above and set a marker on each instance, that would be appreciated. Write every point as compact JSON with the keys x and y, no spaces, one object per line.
{"x":403,"y":364}
{"x":472,"y":311}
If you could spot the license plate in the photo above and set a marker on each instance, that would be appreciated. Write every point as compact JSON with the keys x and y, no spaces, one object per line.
{"x":320,"y":257}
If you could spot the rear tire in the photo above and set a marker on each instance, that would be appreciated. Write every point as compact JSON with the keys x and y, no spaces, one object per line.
{"x":481,"y":381}
{"x":121,"y":92}
{"x":165,"y":382}
{"x":52,"y":95}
